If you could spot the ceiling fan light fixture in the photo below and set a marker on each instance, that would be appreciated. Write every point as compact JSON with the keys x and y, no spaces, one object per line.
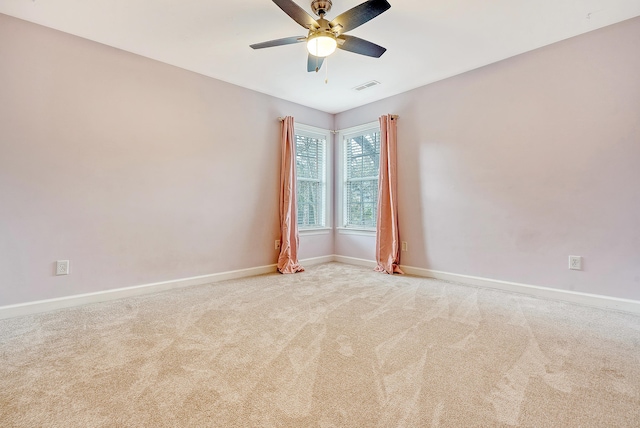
{"x":322,"y":44}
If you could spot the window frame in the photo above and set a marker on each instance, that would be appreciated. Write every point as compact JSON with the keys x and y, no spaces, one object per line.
{"x":341,"y":176}
{"x":325,"y":134}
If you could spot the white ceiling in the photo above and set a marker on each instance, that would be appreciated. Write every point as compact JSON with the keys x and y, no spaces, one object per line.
{"x":426,"y":40}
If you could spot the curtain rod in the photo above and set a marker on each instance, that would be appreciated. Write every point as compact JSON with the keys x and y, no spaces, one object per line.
{"x":393,"y":116}
{"x":337,"y":131}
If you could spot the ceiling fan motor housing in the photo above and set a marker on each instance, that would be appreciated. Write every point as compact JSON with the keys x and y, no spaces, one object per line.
{"x":321,"y":7}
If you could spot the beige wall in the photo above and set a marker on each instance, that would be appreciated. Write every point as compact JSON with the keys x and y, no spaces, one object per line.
{"x":140,"y":172}
{"x":507,"y":170}
{"x":134,"y":170}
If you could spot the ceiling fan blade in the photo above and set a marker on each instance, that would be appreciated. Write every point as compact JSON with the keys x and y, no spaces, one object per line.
{"x":360,"y":46}
{"x":278,"y":42}
{"x":297,"y":13}
{"x":360,"y":14}
{"x":314,"y":63}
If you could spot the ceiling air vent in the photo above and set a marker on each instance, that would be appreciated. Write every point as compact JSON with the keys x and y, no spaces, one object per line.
{"x":367,"y":85}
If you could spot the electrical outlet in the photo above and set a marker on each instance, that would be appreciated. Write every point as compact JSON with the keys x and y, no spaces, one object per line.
{"x":575,"y":262}
{"x":62,"y":267}
{"x":405,"y":247}
{"x":277,"y":244}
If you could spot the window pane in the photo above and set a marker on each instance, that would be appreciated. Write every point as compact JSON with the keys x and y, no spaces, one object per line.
{"x":309,"y":157}
{"x":310,"y":171}
{"x":362,"y":155}
{"x":362,"y":201}
{"x":310,"y":204}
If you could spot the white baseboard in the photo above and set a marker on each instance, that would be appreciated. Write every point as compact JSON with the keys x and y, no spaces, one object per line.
{"x":313,"y":261}
{"x":40,"y":306}
{"x":585,"y":299}
{"x":354,"y":261}
{"x":593,"y":300}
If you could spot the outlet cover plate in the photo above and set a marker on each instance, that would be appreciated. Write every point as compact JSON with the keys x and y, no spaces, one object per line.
{"x":575,"y":262}
{"x":62,"y":267}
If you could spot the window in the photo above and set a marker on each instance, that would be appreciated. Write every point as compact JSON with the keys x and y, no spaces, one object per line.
{"x":360,"y":169}
{"x":312,"y":177}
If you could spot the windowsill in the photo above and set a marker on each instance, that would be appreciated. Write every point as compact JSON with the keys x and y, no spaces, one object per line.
{"x":356,"y":231}
{"x":315,"y":231}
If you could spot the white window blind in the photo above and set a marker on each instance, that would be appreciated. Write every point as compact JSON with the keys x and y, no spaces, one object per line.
{"x":311,"y":170}
{"x":361,"y":169}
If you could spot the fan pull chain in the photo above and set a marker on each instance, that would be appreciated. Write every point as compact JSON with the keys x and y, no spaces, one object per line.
{"x":326,"y":71}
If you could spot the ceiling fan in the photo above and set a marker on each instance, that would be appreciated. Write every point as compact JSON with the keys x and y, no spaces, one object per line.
{"x":325,"y":36}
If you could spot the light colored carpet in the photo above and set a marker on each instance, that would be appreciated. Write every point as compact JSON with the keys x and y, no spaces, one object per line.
{"x":336,"y":346}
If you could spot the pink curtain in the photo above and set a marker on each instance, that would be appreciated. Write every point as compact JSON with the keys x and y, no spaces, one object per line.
{"x":288,"y":259}
{"x":387,"y":235}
